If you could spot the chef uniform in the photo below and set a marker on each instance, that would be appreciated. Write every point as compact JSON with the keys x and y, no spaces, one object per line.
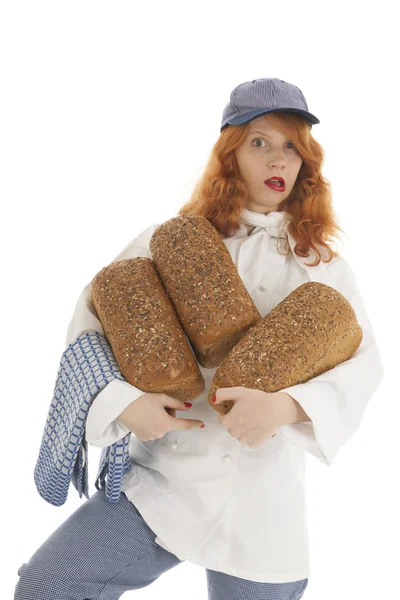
{"x":210,"y":499}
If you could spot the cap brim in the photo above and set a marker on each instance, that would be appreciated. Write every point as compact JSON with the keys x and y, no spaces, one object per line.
{"x":310,"y":118}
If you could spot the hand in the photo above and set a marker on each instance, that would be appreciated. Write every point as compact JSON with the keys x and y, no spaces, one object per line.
{"x":255,"y":414}
{"x":152,"y":415}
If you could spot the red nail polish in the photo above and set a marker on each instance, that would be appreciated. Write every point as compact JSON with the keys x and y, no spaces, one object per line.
{"x":214,"y":398}
{"x":202,"y":425}
{"x":188,"y":404}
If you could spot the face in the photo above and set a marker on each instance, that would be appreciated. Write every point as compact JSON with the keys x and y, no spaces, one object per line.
{"x":266,"y":153}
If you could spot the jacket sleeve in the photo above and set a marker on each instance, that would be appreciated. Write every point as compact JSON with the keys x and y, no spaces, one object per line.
{"x":85,"y":317}
{"x":102,"y":427}
{"x":335,"y":401}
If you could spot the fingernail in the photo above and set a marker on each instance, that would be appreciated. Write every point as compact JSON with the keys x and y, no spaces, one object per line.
{"x":202,"y":425}
{"x":188,"y":404}
{"x":214,"y":398}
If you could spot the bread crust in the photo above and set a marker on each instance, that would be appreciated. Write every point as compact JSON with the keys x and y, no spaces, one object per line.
{"x":311,"y":331}
{"x":140,"y":323}
{"x":204,"y":285}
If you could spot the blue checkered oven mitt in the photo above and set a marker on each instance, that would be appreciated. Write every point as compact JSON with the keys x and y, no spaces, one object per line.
{"x":86,"y":367}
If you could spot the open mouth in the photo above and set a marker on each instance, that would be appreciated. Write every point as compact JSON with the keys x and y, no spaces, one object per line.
{"x":275,"y":185}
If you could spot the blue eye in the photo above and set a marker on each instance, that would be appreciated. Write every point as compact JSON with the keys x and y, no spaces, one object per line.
{"x":261,"y":139}
{"x":256,"y":140}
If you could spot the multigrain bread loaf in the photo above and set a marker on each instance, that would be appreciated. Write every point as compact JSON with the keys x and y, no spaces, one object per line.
{"x":202,"y":280}
{"x":141,"y":325}
{"x":311,"y":331}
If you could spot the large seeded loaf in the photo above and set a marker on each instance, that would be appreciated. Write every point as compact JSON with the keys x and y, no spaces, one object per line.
{"x":202,"y":280}
{"x":311,"y":331}
{"x":141,"y":325}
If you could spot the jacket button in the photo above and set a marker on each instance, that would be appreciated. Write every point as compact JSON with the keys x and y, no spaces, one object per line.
{"x":174,"y":446}
{"x":227,"y":458}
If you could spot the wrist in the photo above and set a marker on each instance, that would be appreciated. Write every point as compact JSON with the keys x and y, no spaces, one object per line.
{"x":293,"y":412}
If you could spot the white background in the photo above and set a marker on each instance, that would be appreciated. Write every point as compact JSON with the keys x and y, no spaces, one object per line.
{"x":109,"y":111}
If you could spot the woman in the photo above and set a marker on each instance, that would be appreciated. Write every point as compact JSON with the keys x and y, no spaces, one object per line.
{"x":228,"y":497}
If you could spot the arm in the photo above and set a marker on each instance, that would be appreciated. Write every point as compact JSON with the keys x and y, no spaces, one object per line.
{"x":335,"y":401}
{"x":294,"y":411}
{"x":85,"y":317}
{"x":102,"y":425}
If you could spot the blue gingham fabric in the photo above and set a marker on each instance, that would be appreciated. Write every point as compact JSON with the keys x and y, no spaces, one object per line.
{"x":86,"y":367}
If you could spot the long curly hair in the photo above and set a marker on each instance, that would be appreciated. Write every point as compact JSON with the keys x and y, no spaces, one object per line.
{"x":220,"y":193}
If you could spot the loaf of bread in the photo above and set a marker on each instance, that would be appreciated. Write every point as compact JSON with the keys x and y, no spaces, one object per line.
{"x":311,"y":331}
{"x":202,"y":280}
{"x":142,"y":327}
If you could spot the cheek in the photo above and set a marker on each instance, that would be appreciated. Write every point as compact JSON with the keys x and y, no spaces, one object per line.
{"x":296,"y":165}
{"x":251,"y":171}
{"x":299,"y":162}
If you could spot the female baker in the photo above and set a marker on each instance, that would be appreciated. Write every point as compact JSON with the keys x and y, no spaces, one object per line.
{"x":228,"y":496}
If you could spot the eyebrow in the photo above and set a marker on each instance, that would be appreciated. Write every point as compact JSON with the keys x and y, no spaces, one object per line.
{"x":262,"y":133}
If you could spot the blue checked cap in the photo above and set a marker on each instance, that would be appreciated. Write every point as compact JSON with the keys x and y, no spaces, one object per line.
{"x":261,"y":96}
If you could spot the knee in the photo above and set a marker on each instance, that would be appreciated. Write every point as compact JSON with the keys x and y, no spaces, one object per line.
{"x":38,"y":583}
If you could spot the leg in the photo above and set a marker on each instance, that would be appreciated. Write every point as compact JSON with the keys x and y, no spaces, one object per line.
{"x":228,"y":587}
{"x":100,"y":551}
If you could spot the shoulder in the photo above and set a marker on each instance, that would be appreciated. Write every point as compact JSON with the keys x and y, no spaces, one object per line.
{"x":339,"y":265}
{"x":342,"y":276}
{"x":143,"y":239}
{"x":140,"y":245}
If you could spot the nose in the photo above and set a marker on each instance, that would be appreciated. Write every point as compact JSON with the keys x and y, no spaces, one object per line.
{"x":276,"y":162}
{"x":278,"y":158}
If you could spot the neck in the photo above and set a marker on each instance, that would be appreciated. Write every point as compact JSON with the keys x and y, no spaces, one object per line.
{"x":263,"y":210}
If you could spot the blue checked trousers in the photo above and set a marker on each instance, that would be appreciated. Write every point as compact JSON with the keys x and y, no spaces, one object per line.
{"x":104,"y":549}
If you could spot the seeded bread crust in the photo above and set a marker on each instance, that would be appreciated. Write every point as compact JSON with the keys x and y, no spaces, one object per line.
{"x":142,"y":327}
{"x":204,"y":285}
{"x":311,"y":331}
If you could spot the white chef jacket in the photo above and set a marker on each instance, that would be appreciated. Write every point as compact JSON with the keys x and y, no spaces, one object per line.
{"x":210,"y":499}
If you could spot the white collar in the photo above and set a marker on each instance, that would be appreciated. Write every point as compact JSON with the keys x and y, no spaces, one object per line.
{"x":275,"y":224}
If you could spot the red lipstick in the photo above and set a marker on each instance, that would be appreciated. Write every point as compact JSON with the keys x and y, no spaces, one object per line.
{"x":273,"y":183}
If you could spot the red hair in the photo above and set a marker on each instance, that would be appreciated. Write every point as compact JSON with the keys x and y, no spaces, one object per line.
{"x":220,"y":193}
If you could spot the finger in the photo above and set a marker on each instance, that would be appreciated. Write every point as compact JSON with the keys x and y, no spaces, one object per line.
{"x":228,"y":393}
